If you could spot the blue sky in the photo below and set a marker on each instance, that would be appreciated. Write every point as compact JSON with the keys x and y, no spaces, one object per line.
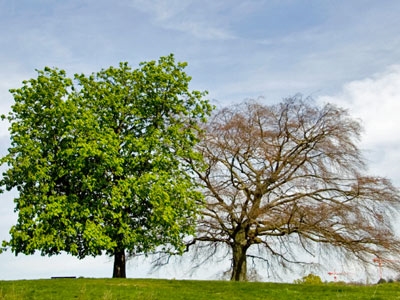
{"x":346,"y":52}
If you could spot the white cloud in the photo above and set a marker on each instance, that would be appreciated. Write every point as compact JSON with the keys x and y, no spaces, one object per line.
{"x":376,"y":102}
{"x":187,"y":17}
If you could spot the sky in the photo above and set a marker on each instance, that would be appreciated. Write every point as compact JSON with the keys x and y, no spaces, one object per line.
{"x":338,"y":51}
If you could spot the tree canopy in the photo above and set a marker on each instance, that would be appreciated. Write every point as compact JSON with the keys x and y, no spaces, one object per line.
{"x":100,"y":161}
{"x":282,"y":180}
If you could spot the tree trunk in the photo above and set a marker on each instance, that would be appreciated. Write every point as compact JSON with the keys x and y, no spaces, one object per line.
{"x":239,"y":263}
{"x":119,"y":264}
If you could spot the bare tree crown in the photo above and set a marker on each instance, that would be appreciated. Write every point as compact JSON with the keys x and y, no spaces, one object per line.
{"x":292,"y":169}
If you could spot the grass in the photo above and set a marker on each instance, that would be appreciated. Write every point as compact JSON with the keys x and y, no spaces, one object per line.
{"x":152,"y":289}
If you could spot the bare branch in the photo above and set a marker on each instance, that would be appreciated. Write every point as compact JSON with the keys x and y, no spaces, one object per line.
{"x":292,"y":170}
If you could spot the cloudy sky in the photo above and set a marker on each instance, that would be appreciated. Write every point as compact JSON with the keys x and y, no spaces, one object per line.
{"x":346,"y":52}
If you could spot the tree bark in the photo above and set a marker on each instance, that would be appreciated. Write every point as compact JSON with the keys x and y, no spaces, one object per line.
{"x":239,"y":263}
{"x":119,"y":264}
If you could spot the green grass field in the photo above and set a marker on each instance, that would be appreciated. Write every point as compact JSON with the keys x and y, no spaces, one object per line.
{"x":148,"y":289}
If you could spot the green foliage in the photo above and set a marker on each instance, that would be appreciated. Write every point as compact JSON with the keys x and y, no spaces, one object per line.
{"x":99,"y":161}
{"x":309,"y":279}
{"x":187,"y":289}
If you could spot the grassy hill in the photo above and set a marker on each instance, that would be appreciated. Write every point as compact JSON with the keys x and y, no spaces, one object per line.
{"x":149,"y":289}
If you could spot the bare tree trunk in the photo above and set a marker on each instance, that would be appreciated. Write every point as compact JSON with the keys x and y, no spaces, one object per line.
{"x":119,"y":264}
{"x":239,"y":263}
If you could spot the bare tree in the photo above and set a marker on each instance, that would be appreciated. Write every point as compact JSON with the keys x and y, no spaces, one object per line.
{"x":292,"y":173}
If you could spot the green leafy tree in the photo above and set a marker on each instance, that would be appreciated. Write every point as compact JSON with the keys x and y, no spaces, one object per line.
{"x":99,"y":161}
{"x":309,"y":279}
